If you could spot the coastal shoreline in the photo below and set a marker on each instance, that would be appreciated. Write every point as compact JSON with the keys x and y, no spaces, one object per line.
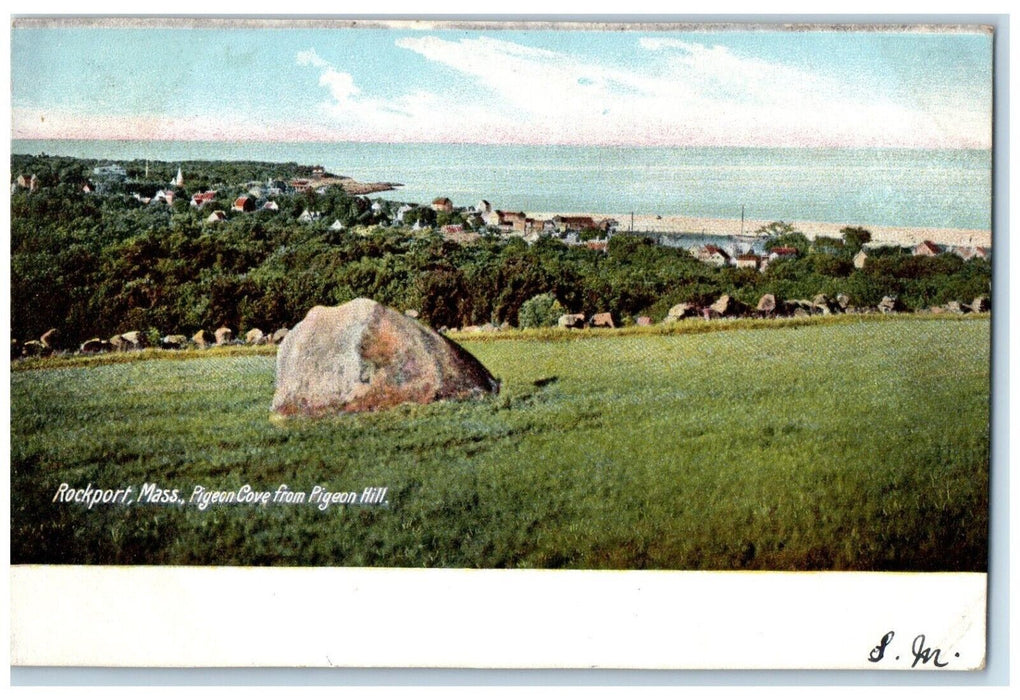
{"x":888,"y":235}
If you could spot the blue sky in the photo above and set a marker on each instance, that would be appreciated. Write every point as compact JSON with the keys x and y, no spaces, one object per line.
{"x":744,"y":88}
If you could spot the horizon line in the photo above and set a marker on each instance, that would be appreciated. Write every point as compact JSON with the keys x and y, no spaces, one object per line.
{"x":504,"y":143}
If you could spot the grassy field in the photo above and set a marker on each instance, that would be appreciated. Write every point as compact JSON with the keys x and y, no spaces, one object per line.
{"x":855,"y":445}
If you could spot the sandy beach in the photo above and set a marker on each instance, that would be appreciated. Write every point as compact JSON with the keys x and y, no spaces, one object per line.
{"x":892,"y":235}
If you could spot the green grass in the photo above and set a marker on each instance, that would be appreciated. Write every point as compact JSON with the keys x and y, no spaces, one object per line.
{"x":850,"y":445}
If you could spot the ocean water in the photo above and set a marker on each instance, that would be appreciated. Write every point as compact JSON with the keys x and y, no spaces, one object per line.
{"x":877,"y":187}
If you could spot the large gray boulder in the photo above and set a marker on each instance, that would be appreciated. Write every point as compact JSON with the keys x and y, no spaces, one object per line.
{"x":363,"y":356}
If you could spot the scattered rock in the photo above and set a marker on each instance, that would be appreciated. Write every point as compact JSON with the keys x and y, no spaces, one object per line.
{"x":889,"y":305}
{"x":50,"y":338}
{"x":224,"y":336}
{"x":954,"y":307}
{"x":94,"y":345}
{"x":603,"y":320}
{"x":726,"y":306}
{"x":203,"y":339}
{"x":411,"y":313}
{"x":571,"y":321}
{"x":681,"y":311}
{"x":173,"y":342}
{"x":643,"y":321}
{"x":255,"y":337}
{"x":363,"y":356}
{"x":34,"y":348}
{"x":843,"y":300}
{"x":134,"y":339}
{"x":279,"y":335}
{"x":980,"y":305}
{"x":823,"y":304}
{"x":767,"y":304}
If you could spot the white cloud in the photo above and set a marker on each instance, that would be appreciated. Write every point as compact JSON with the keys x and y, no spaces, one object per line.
{"x":688,"y":93}
{"x":310,"y":58}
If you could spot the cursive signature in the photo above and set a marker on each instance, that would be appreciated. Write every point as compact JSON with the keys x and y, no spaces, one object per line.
{"x":922,"y":653}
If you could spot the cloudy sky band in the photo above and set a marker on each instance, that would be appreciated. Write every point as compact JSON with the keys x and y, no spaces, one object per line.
{"x":725,"y":88}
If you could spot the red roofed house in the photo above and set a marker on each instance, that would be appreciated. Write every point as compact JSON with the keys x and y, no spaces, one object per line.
{"x":200,"y":199}
{"x":927,"y":248}
{"x":243,"y":204}
{"x":782,"y":253}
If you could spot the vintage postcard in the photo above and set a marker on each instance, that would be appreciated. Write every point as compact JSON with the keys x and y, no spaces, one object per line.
{"x":490,"y":344}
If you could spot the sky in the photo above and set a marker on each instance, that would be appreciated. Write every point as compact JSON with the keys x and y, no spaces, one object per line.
{"x":401,"y":84}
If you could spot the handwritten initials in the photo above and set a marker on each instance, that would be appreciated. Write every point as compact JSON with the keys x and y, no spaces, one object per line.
{"x":878,"y":652}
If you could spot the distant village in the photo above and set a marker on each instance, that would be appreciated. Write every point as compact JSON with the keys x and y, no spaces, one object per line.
{"x":464,"y":224}
{"x":461,"y":224}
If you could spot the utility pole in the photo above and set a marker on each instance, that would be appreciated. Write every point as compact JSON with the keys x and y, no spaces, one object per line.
{"x":632,"y":222}
{"x":741,"y":220}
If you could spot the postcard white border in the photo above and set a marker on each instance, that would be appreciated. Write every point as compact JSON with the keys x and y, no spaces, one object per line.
{"x":413,"y":618}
